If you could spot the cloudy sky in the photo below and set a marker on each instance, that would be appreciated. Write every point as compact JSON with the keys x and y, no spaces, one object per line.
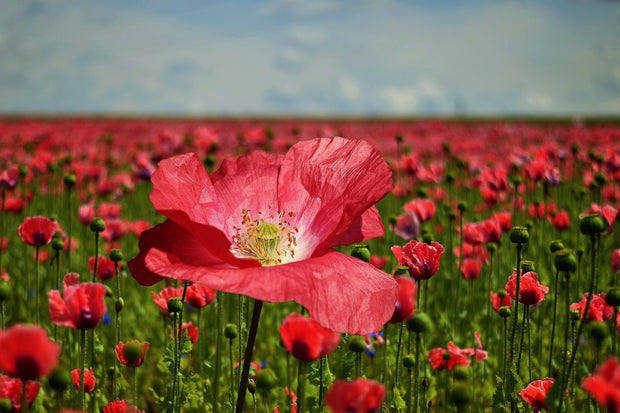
{"x":318,"y":57}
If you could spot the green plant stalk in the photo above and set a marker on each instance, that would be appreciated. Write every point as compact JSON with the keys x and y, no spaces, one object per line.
{"x":555,"y":311}
{"x":594,"y":241}
{"x":218,"y":351}
{"x":416,"y":372}
{"x":176,"y":357}
{"x":69,"y":227}
{"x":322,"y":361}
{"x":385,"y":355}
{"x":249,"y":349}
{"x":37,"y":286}
{"x":458,"y":276}
{"x":529,"y":341}
{"x":83,"y":362}
{"x":521,"y":341}
{"x":301,"y":386}
{"x":179,"y":343}
{"x":232,"y":373}
{"x":398,"y":348}
{"x":505,"y":355}
{"x":514,"y":321}
{"x":96,"y":255}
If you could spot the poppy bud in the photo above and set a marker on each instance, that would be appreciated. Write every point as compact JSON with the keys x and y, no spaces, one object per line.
{"x":210,"y":161}
{"x":516,"y":179}
{"x":502,"y":293}
{"x":266,"y":379}
{"x":5,"y":405}
{"x":399,"y":137}
{"x":409,"y":361}
{"x":59,"y":379}
{"x":491,"y":247}
{"x":451,"y":215}
{"x":462,"y":206}
{"x":133,"y":352}
{"x":449,"y":177}
{"x":401,"y":271}
{"x":97,"y":225}
{"x":108,"y":291}
{"x":120,"y":303}
{"x":231,"y":331}
{"x":251,"y":386}
{"x":70,"y":180}
{"x":591,"y":224}
{"x":600,"y":179}
{"x":5,"y":291}
{"x":419,"y":323}
{"x":116,"y":255}
{"x":357,"y":344}
{"x":612,"y":297}
{"x":519,"y":235}
{"x":505,"y":311}
{"x":421,"y":192}
{"x":23,"y":170}
{"x":460,"y":373}
{"x":57,"y":244}
{"x":427,"y":237}
{"x":460,"y":394}
{"x":574,"y":148}
{"x":527,"y":266}
{"x":573,"y":314}
{"x":556,"y":245}
{"x":392,"y":220}
{"x":175,"y":305}
{"x":565,"y":260}
{"x":598,"y":331}
{"x":361,"y":252}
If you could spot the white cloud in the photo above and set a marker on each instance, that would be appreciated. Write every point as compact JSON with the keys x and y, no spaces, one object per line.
{"x":537,"y":100}
{"x":349,"y":88}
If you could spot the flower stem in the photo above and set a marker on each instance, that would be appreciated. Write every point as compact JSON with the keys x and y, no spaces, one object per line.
{"x":96,"y":255}
{"x":555,"y":310}
{"x":232,"y":374}
{"x":36,"y":291}
{"x":400,"y":339}
{"x":218,"y":351}
{"x":522,"y":336}
{"x":322,"y":361}
{"x":416,"y":372}
{"x":249,"y":349}
{"x":83,"y":361}
{"x":301,"y":381}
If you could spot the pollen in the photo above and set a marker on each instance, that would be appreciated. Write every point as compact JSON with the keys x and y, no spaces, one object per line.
{"x":271,"y":240}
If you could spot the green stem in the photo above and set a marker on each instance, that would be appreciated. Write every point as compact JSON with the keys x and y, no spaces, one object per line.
{"x":83,"y":361}
{"x":218,"y":351}
{"x":555,"y":310}
{"x":232,"y":374}
{"x":37,"y":286}
{"x":529,"y":341}
{"x":69,"y":227}
{"x":521,"y":341}
{"x":96,"y":255}
{"x":322,"y":361}
{"x":249,"y":349}
{"x":505,"y":349}
{"x":400,"y":339}
{"x":301,"y":381}
{"x":416,"y":372}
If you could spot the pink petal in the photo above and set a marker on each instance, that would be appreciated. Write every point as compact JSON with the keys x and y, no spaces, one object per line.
{"x":58,"y":310}
{"x":366,"y":227}
{"x":341,"y":293}
{"x":329,"y":184}
{"x":176,"y":241}
{"x":182,"y":191}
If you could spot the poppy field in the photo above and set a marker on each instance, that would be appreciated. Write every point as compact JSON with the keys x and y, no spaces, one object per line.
{"x":297,"y":265}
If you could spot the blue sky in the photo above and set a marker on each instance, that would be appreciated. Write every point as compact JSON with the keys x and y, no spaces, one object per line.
{"x":319,"y":57}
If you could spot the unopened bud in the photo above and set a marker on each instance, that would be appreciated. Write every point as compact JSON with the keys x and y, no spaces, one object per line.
{"x":519,"y":235}
{"x":97,"y":225}
{"x":361,"y":252}
{"x":565,"y":260}
{"x":116,"y":255}
{"x":175,"y":305}
{"x":357,"y":344}
{"x":231,"y":331}
{"x":591,"y":224}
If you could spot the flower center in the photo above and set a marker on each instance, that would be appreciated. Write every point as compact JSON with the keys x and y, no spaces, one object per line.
{"x":270,"y":240}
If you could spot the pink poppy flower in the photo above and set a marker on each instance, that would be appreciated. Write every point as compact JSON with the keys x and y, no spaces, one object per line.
{"x":27,"y":352}
{"x":405,"y":303}
{"x":11,"y":389}
{"x":357,"y":396}
{"x":615,"y":260}
{"x":81,"y":307}
{"x":36,"y":231}
{"x":424,"y":208}
{"x":599,"y":309}
{"x":305,"y":339}
{"x":199,"y":295}
{"x":161,"y":299}
{"x":604,"y":385}
{"x":420,"y":258}
{"x":536,"y":392}
{"x":531,"y":291}
{"x":105,"y":267}
{"x":264,"y":226}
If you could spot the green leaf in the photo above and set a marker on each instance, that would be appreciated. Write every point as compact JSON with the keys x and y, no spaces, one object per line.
{"x":499,"y":398}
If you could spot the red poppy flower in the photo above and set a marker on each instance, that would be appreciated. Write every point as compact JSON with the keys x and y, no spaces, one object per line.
{"x":615,"y":260}
{"x":440,"y":358}
{"x":536,"y":392}
{"x":560,"y":220}
{"x":199,"y":295}
{"x":491,"y":231}
{"x":89,"y":379}
{"x":420,"y":258}
{"x":504,"y":219}
{"x":604,"y":385}
{"x":472,"y":233}
{"x":608,"y":214}
{"x":36,"y":231}
{"x":71,"y":278}
{"x":407,"y":225}
{"x":357,"y":396}
{"x":405,"y":303}
{"x":265,"y":225}
{"x":11,"y":389}
{"x":599,"y":309}
{"x":471,"y":267}
{"x":531,"y":291}
{"x":86,"y":213}
{"x":132,"y":353}
{"x":120,"y":406}
{"x":305,"y":339}
{"x":9,"y":177}
{"x":424,"y":208}
{"x":161,"y":299}
{"x":190,"y":329}
{"x":378,"y":261}
{"x":500,"y":299}
{"x":27,"y":352}
{"x":105,"y":267}
{"x":81,"y":307}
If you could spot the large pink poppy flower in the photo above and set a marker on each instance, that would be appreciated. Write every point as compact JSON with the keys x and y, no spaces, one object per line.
{"x":264,"y":226}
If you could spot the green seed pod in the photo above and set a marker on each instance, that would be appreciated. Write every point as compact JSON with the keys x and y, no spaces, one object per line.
{"x":357,"y":344}
{"x":175,"y":305}
{"x":116,"y":255}
{"x":421,"y":192}
{"x":556,"y":245}
{"x":210,"y":160}
{"x":612,"y":297}
{"x":491,"y":247}
{"x":133,"y":352}
{"x":600,"y":178}
{"x":462,"y":206}
{"x":591,"y":224}
{"x":59,"y":379}
{"x":409,"y":361}
{"x":401,"y":270}
{"x":505,"y":311}
{"x":97,"y":225}
{"x":519,"y":235}
{"x":460,"y":373}
{"x":598,"y":331}
{"x":451,"y":215}
{"x":361,"y":252}
{"x":573,"y":314}
{"x":70,"y":180}
{"x":427,"y":237}
{"x":57,"y":244}
{"x":419,"y":323}
{"x":120,"y":303}
{"x":450,"y":177}
{"x":230,"y":331}
{"x":5,"y":291}
{"x":527,"y":266}
{"x":251,"y":386}
{"x":266,"y":379}
{"x":565,"y":260}
{"x":5,"y":405}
